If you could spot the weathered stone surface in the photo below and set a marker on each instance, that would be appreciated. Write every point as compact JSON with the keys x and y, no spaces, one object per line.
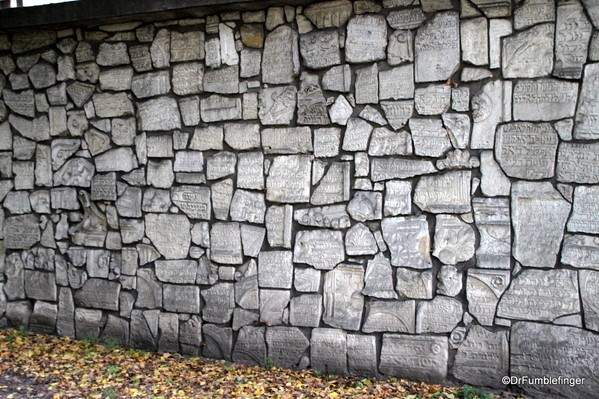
{"x":328,"y":350}
{"x":437,"y":47}
{"x":279,"y":186}
{"x":277,"y":105}
{"x":417,"y":357}
{"x":490,"y":106}
{"x":483,"y":290}
{"x":483,"y":357}
{"x":578,"y":163}
{"x":188,"y":78}
{"x":532,"y":12}
{"x":398,"y":112}
{"x":448,"y":193}
{"x":225,"y":239}
{"x":280,"y":60}
{"x":311,"y":103}
{"x":21,"y":103}
{"x":32,"y":40}
{"x":588,"y":289}
{"x":441,"y":315}
{"x":583,"y":218}
{"x":222,"y":193}
{"x":329,"y":14}
{"x":98,"y":293}
{"x":366,"y":206}
{"x":334,"y":186}
{"x":329,"y":216}
{"x":493,"y":182}
{"x":556,"y":348}
{"x":432,"y":100}
{"x":223,"y":80}
{"x":396,"y":316}
{"x":181,"y":298}
{"x":112,"y":105}
{"x":306,"y":280}
{"x":290,"y":140}
{"x":286,"y":345}
{"x":305,"y":310}
{"x":580,"y":251}
{"x":367,"y":85}
{"x":273,"y":306}
{"x":366,"y":39}
{"x":161,"y":113}
{"x":75,"y":172}
{"x":320,"y":49}
{"x":573,"y":32}
{"x":219,"y":108}
{"x":21,"y":232}
{"x":430,"y":137}
{"x":187,"y":46}
{"x":587,"y":111}
{"x":43,"y":318}
{"x":250,"y":347}
{"x":539,"y":215}
{"x":160,"y":174}
{"x":220,"y":165}
{"x":408,"y":241}
{"x":454,"y":240}
{"x":386,"y":142}
{"x":337,"y":78}
{"x":396,"y":168}
{"x":80,"y":92}
{"x":169,"y":233}
{"x":529,"y":54}
{"x":396,"y":83}
{"x":343,"y":301}
{"x":398,"y":198}
{"x":219,"y":303}
{"x":492,"y":217}
{"x":449,"y":281}
{"x":545,"y":99}
{"x":541,"y":295}
{"x":247,"y":206}
{"x":193,"y":201}
{"x":322,"y":248}
{"x":360,"y":241}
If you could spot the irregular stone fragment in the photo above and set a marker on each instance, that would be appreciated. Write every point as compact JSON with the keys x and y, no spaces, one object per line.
{"x":343,"y":301}
{"x":493,"y":182}
{"x":492,"y":217}
{"x":539,"y":215}
{"x":32,"y":40}
{"x":532,"y":12}
{"x":328,"y":350}
{"x":161,"y":49}
{"x":360,"y":241}
{"x":408,"y":241}
{"x":441,"y":315}
{"x":248,"y":206}
{"x":219,"y":108}
{"x":433,"y":99}
{"x":483,"y":357}
{"x":161,"y":113}
{"x":396,"y":83}
{"x":98,"y":293}
{"x":169,"y":233}
{"x":334,"y":186}
{"x":109,"y":105}
{"x":329,"y":14}
{"x":322,"y":249}
{"x":219,"y":303}
{"x":225,"y":239}
{"x":474,"y":41}
{"x":21,"y":103}
{"x":447,"y":193}
{"x":181,"y":298}
{"x":378,"y":278}
{"x":273,"y":306}
{"x":280,"y":60}
{"x":366,"y":206}
{"x":337,"y":78}
{"x":580,"y":251}
{"x":573,"y":32}
{"x":367,"y":85}
{"x":286,"y":345}
{"x":449,"y":281}
{"x":113,"y":54}
{"x":396,"y":168}
{"x":280,"y":188}
{"x":21,"y":232}
{"x":311,"y":104}
{"x":583,"y":218}
{"x":187,"y":46}
{"x":366,"y":39}
{"x":483,"y":290}
{"x":529,"y":54}
{"x":430,"y":137}
{"x":545,"y":99}
{"x":454,"y":240}
{"x":437,"y":47}
{"x":277,"y":105}
{"x":398,"y":112}
{"x":541,"y":295}
{"x":404,"y":356}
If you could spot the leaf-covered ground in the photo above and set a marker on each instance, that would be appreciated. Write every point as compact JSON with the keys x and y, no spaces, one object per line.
{"x":42,"y":366}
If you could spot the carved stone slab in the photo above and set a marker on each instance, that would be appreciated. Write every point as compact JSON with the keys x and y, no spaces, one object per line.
{"x":483,"y":290}
{"x":414,"y":284}
{"x":544,"y":99}
{"x":580,"y":251}
{"x":454,"y":240}
{"x":343,"y":301}
{"x":361,"y":355}
{"x":526,"y":150}
{"x":398,"y":198}
{"x":583,"y":218}
{"x":328,"y":350}
{"x":220,"y":165}
{"x":161,"y":113}
{"x":400,"y":48}
{"x":289,"y":140}
{"x":433,"y":99}
{"x":532,"y":12}
{"x":430,"y":137}
{"x":578,"y":163}
{"x":250,"y":347}
{"x":219,"y":108}
{"x":320,"y":49}
{"x":398,"y":112}
{"x":556,"y":348}
{"x":250,"y":170}
{"x":21,"y":232}
{"x":279,"y":185}
{"x":357,"y":134}
{"x":99,"y":293}
{"x":275,"y":269}
{"x":406,"y":19}
{"x":437,"y":46}
{"x":337,"y":78}
{"x":366,"y":39}
{"x":219,"y":303}
{"x":483,"y":357}
{"x":334,"y":217}
{"x":396,"y":316}
{"x":193,"y":201}
{"x":378,"y":278}
{"x":587,"y":111}
{"x":277,"y":105}
{"x":21,"y":103}
{"x":539,"y":215}
{"x":286,"y":345}
{"x":181,"y":298}
{"x":334,"y":186}
{"x":528,"y":54}
{"x":441,"y":315}
{"x":169,"y":233}
{"x":223,"y":80}
{"x":188,"y":78}
{"x":273,"y":306}
{"x":588,"y":288}
{"x":397,"y":83}
{"x":367,"y":85}
{"x":541,"y":295}
{"x":109,"y":105}
{"x":386,"y":142}
{"x":489,"y":107}
{"x":329,"y":14}
{"x":225,"y":239}
{"x":414,"y":357}
{"x":492,"y":217}
{"x":248,"y":206}
{"x":397,"y":168}
{"x":408,"y":240}
{"x":573,"y":32}
{"x":447,"y":193}
{"x":321,"y":248}
{"x":280,"y":60}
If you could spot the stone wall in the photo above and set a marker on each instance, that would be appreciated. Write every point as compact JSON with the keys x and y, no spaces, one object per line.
{"x":364,"y":188}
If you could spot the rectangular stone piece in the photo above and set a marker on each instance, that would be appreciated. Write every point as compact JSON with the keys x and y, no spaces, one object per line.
{"x":343,"y":302}
{"x":578,"y":163}
{"x":544,"y":99}
{"x":328,"y":350}
{"x":414,"y":357}
{"x":437,"y":46}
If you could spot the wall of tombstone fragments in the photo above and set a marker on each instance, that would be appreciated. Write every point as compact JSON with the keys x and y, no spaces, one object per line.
{"x":358,"y":187}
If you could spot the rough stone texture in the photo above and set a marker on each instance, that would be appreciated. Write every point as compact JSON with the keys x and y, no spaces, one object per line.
{"x":437,"y":46}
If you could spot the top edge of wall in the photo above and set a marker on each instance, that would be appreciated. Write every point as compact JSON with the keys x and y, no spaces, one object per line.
{"x":88,"y":13}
